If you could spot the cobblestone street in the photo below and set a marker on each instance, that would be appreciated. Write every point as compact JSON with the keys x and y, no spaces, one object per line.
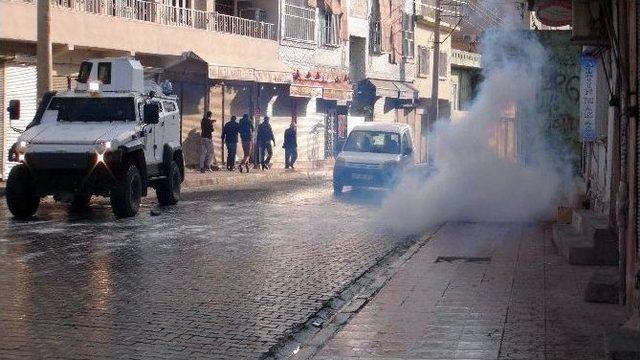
{"x":224,"y":274}
{"x":481,"y":291}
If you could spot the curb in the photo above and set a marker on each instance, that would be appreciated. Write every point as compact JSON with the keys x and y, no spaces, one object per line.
{"x":302,"y":342}
{"x":196,"y":185}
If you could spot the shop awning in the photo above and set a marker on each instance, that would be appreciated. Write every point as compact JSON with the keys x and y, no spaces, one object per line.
{"x":393,"y":89}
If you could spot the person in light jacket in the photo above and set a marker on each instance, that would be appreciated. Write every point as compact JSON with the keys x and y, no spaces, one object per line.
{"x":207,"y":154}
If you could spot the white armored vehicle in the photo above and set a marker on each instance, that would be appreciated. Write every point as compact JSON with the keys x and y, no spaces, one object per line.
{"x":115,"y":135}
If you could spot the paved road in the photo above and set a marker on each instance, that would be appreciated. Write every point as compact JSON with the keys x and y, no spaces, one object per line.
{"x":219,"y":275}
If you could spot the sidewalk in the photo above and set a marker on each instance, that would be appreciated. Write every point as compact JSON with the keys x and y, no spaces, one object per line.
{"x":508,"y":295}
{"x":223,"y":178}
{"x":195,"y":179}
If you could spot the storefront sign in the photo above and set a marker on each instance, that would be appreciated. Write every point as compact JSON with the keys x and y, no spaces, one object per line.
{"x":231,"y":73}
{"x":247,"y":74}
{"x":273,"y":77}
{"x":588,"y":76}
{"x":305,"y":91}
{"x":337,"y":94}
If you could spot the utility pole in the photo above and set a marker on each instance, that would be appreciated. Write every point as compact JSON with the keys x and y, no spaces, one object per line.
{"x":435,"y":78}
{"x":44,"y":62}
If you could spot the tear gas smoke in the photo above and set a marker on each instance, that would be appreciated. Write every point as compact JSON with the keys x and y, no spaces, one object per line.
{"x":472,"y":182}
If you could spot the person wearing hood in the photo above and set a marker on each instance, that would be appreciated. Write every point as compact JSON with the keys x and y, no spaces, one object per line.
{"x":265,"y":138}
{"x":246,"y":135}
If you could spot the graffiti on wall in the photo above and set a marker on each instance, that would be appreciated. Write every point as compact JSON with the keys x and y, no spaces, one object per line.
{"x":558,"y":101}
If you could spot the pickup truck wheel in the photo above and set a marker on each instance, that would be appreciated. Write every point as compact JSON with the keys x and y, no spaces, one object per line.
{"x":22,"y":199}
{"x":337,"y":187}
{"x":168,"y":190}
{"x":126,"y":194}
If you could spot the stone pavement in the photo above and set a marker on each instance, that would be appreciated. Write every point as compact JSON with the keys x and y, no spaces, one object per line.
{"x":481,"y":291}
{"x":222,"y":275}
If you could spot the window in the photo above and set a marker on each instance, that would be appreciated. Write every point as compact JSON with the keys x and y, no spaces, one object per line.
{"x":407,"y":147}
{"x":443,"y":65}
{"x":407,"y":36}
{"x":169,"y":106}
{"x":85,"y":72}
{"x":329,"y":29}
{"x":104,"y":72}
{"x":94,"y":109}
{"x":299,"y":21}
{"x":373,"y":142}
{"x":424,"y":61}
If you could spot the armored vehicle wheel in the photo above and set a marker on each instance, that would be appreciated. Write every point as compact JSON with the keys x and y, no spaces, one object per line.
{"x":168,"y":190}
{"x":80,"y":201}
{"x":22,"y":199}
{"x":126,"y":194}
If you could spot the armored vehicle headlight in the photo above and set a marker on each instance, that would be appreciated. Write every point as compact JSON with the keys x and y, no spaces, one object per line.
{"x":22,"y":146}
{"x":102,"y":146}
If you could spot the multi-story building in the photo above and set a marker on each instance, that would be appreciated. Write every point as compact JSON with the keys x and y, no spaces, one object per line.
{"x":425,"y":60}
{"x":203,"y":51}
{"x":381,"y":61}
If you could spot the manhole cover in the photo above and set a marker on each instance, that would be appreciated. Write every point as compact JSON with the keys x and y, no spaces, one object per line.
{"x":468,"y":259}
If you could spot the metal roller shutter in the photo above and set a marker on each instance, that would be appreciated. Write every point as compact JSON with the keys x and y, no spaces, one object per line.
{"x":20,"y":84}
{"x":3,"y":118}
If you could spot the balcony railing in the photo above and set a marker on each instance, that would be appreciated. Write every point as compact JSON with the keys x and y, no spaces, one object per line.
{"x":158,"y":13}
{"x":465,"y":58}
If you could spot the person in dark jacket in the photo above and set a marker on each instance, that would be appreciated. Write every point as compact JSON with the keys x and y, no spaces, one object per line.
{"x":207,"y":154}
{"x":290,"y":146}
{"x":246,"y":135}
{"x":230,"y":138}
{"x":265,"y":138}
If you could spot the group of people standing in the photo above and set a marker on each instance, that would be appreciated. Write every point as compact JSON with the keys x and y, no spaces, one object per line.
{"x":244,"y":129}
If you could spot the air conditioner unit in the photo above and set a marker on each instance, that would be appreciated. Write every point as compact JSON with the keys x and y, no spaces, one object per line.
{"x":588,"y":23}
{"x":254,"y":14}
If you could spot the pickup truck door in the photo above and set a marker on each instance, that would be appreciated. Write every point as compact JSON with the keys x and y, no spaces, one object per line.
{"x":407,"y":150}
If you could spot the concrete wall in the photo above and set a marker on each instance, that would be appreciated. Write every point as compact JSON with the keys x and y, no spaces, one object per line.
{"x":424,"y":36}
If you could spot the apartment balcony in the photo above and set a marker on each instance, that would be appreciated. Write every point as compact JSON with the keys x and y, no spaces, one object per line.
{"x":158,"y":13}
{"x":145,"y":28}
{"x":465,"y":59}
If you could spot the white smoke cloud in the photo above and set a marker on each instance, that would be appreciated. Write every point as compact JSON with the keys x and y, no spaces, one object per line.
{"x":472,"y":182}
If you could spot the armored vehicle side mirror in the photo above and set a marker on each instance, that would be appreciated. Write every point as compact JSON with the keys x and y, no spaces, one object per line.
{"x":14,"y":109}
{"x":407,"y":151}
{"x":151,"y":113}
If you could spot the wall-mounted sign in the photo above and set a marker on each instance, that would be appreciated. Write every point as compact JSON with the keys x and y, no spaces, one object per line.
{"x":305,"y":91}
{"x":337,"y":94}
{"x":588,"y":76}
{"x":248,"y":74}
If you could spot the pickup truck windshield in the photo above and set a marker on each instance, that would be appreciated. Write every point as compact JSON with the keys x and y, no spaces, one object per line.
{"x":94,"y":109}
{"x":373,"y":142}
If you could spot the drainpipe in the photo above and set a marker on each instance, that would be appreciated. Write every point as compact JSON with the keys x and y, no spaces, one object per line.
{"x":44,"y":62}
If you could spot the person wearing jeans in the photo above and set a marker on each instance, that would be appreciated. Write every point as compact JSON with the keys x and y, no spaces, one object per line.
{"x":246,"y":135}
{"x":207,"y":154}
{"x":265,"y":138}
{"x":230,"y":138}
{"x":290,"y":146}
